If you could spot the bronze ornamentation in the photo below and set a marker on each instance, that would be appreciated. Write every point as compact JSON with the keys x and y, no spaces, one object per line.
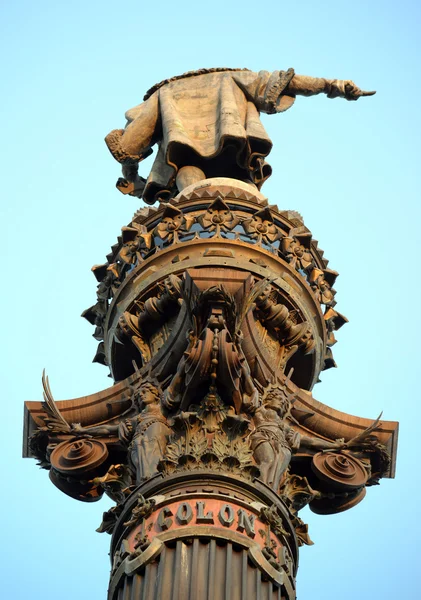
{"x":215,"y":314}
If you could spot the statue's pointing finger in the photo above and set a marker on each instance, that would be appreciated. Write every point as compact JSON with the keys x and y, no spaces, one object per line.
{"x":353,"y":92}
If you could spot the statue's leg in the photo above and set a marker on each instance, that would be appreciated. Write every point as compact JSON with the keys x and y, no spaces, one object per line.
{"x":187,"y":176}
{"x":280,"y":465}
{"x":264,"y":456}
{"x":135,"y":459}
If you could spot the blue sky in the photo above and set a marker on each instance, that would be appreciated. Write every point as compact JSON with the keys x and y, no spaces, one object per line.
{"x":352,"y":169}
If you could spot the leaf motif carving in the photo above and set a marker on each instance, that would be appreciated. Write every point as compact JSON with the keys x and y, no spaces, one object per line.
{"x":198,"y":443}
{"x":221,"y":446}
{"x":241,"y":451}
{"x":174,"y":451}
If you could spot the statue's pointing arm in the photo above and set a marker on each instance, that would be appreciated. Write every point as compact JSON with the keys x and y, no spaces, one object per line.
{"x":267,"y":91}
{"x":302,"y":85}
{"x":275,"y":92}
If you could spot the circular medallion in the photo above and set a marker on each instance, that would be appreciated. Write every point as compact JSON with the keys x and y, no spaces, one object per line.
{"x":341,"y":471}
{"x":78,"y":456}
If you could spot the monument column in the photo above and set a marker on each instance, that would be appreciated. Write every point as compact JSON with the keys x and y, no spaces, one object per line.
{"x":215,"y":314}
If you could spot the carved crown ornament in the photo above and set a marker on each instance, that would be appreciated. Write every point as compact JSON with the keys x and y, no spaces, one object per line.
{"x":228,"y":215}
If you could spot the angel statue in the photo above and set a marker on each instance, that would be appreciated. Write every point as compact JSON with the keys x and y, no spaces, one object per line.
{"x":145,"y":434}
{"x":206,"y":124}
{"x":273,"y":440}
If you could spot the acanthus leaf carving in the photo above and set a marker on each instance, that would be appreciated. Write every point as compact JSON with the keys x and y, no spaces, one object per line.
{"x":297,"y":492}
{"x":209,"y":435}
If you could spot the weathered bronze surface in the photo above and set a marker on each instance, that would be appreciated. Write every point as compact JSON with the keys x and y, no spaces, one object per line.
{"x":206,"y":124}
{"x":215,"y":313}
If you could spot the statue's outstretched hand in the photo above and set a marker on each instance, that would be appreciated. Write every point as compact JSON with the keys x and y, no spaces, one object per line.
{"x":79,"y":431}
{"x":339,"y":88}
{"x":353,"y":92}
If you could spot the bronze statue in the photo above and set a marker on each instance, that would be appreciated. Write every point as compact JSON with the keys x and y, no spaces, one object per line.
{"x":206,"y":124}
{"x":145,"y":435}
{"x":273,"y":441}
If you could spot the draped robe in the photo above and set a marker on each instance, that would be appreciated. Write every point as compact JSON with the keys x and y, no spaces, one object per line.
{"x":208,"y":120}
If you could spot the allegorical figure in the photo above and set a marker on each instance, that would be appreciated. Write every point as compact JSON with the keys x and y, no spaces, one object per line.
{"x":273,"y":440}
{"x":206,"y":124}
{"x":146,"y":434}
